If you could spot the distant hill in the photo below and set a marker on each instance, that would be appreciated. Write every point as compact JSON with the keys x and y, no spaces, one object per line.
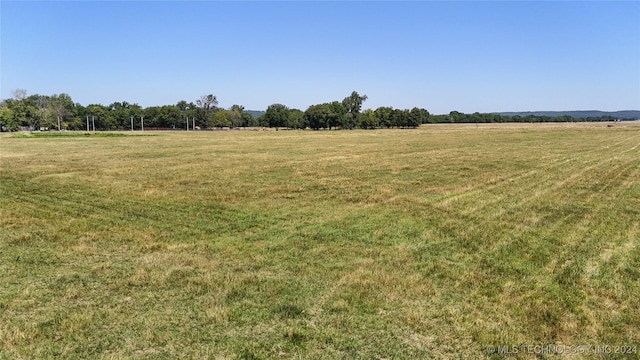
{"x":255,"y":113}
{"x":623,"y":115}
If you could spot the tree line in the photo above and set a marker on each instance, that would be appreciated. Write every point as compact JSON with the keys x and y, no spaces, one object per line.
{"x":59,"y":112}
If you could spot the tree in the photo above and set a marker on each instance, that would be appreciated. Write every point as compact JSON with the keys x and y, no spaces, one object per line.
{"x":296,"y":119}
{"x":277,"y":115}
{"x":420,"y":115}
{"x":152,"y":117}
{"x":368,"y":120}
{"x":400,"y":118}
{"x":19,"y":94}
{"x":383,"y":114}
{"x":260,"y":121}
{"x":43,"y":107}
{"x":316,"y":116}
{"x":120,"y":114}
{"x":97,"y":113}
{"x":191,"y":111}
{"x":248,"y":119}
{"x":208,"y":105}
{"x":352,"y":105}
{"x":76,"y":117}
{"x":200,"y":117}
{"x":235,"y":116}
{"x":22,"y":113}
{"x":7,"y":120}
{"x":169,"y":117}
{"x":325,"y":116}
{"x":208,"y":102}
{"x":183,"y":105}
{"x":61,"y":107}
{"x":337,"y":116}
{"x":456,"y":117}
{"x":220,"y":119}
{"x":238,"y":108}
{"x":415,"y":117}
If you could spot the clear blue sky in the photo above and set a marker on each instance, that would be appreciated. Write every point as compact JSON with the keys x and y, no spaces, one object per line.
{"x":442,"y":56}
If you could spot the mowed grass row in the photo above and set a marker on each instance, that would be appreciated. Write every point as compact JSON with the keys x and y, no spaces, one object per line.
{"x":428,"y":243}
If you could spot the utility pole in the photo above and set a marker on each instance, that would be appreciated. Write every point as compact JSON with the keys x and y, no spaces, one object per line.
{"x":131,"y":123}
{"x":187,"y":123}
{"x":142,"y":122}
{"x":93,"y":119}
{"x":87,"y":122}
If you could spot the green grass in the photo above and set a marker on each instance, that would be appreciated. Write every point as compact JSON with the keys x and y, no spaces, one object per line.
{"x":428,"y":243}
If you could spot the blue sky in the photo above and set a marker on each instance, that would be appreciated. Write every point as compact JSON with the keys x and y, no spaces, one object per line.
{"x":459,"y":55}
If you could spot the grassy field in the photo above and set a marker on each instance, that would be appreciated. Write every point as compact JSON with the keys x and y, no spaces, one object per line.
{"x":439,"y":242}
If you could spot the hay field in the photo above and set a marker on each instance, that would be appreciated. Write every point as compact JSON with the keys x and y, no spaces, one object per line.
{"x":446,"y":242}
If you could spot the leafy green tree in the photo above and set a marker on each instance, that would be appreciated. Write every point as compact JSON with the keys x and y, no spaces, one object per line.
{"x":121,"y":113}
{"x":152,"y":116}
{"x":7,"y":119}
{"x":383,"y":114}
{"x":207,"y":105}
{"x":169,"y":117}
{"x":247,"y":119}
{"x":476,"y":117}
{"x":456,"y":117}
{"x":338,"y":116}
{"x":277,"y":115}
{"x":186,"y":110}
{"x":417,"y":116}
{"x":317,"y":116}
{"x":235,"y":115}
{"x":399,"y":118}
{"x":220,"y":119}
{"x":368,"y":119}
{"x":296,"y":119}
{"x":182,"y":105}
{"x":237,"y":108}
{"x":420,"y":115}
{"x":97,"y":113}
{"x":352,"y":105}
{"x":25,"y":114}
{"x":260,"y":121}
{"x":200,"y":117}
{"x":76,"y":118}
{"x":325,"y":116}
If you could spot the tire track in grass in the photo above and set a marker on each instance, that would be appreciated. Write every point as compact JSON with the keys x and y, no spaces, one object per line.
{"x":548,"y":172}
{"x":472,"y":222}
{"x":592,"y":268}
{"x":543,"y":185}
{"x":481,"y":205}
{"x":472,"y":226}
{"x":508,"y":178}
{"x":164,"y":218}
{"x":477,"y":189}
{"x":579,"y":229}
{"x":570,"y":261}
{"x":543,"y":190}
